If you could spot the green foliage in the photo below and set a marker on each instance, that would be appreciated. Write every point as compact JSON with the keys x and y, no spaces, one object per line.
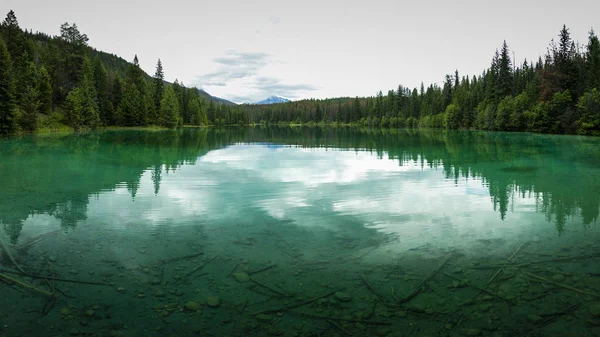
{"x":44,"y":88}
{"x":82,"y":104}
{"x":30,"y":106}
{"x":169,"y":109}
{"x":452,"y":117}
{"x":7,"y":93}
{"x":519,"y":105}
{"x":589,"y":106}
{"x":553,"y":95}
{"x":198,"y":112}
{"x":158,"y":87}
{"x":592,"y":58}
{"x":102,"y":85}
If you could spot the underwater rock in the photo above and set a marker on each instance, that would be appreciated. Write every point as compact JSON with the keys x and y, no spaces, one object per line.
{"x":213,"y":301}
{"x":595,"y":309}
{"x":593,"y":322}
{"x":342,"y":296}
{"x":264,"y":318}
{"x":383,"y":332}
{"x":241,"y":277}
{"x":158,"y":293}
{"x":535,"y":319}
{"x":473,"y":332}
{"x":192,"y":306}
{"x":401,"y":314}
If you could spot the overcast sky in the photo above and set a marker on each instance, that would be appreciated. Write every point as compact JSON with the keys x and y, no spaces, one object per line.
{"x":245,"y":51}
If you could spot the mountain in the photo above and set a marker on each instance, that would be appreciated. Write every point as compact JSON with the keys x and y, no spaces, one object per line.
{"x":273,"y":100}
{"x":216,"y":99}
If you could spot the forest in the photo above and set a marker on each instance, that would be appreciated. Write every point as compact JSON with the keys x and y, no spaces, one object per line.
{"x":50,"y":83}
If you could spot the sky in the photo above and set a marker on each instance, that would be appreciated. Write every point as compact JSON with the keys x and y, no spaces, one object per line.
{"x":245,"y":51}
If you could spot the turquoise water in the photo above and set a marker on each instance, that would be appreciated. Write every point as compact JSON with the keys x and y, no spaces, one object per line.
{"x":299,"y":232}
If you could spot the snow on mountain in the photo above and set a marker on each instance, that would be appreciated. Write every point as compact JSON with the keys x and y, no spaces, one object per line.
{"x":273,"y":100}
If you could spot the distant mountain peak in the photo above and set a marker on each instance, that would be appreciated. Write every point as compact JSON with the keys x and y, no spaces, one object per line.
{"x":273,"y":100}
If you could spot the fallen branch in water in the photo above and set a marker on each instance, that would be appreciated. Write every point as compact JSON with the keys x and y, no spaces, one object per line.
{"x":200,"y":267}
{"x":179,"y":258}
{"x":363,"y":321}
{"x":296,"y":305}
{"x":562,"y":285}
{"x":261,"y":269}
{"x":339,"y":327}
{"x":25,"y":285}
{"x":370,"y":286}
{"x":417,"y":289}
{"x":524,"y":264}
{"x":509,"y":260}
{"x":244,"y":306}
{"x":480,"y":288}
{"x":55,"y":278}
{"x":269,"y":288}
{"x":38,"y":239}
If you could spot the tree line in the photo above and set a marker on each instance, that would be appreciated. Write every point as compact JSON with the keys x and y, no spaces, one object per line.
{"x":47,"y":82}
{"x":559,"y":93}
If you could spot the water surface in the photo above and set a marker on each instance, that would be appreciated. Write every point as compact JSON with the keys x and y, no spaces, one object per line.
{"x":234,"y":232}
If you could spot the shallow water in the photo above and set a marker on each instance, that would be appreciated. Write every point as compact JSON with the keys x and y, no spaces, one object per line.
{"x":299,"y":232}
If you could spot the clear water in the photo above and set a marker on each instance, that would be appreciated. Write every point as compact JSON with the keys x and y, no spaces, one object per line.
{"x":299,"y":232}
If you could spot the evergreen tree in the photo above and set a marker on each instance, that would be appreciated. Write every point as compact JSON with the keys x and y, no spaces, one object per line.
{"x":7,"y":93}
{"x":116,"y":95}
{"x":135,"y":76}
{"x":158,"y":88}
{"x":197,"y":111}
{"x":73,"y":52}
{"x":30,"y":106}
{"x":592,"y":58}
{"x":101,"y":85}
{"x":211,"y":112}
{"x":504,"y":78}
{"x":82,"y":105}
{"x":44,"y":88}
{"x":169,"y":109}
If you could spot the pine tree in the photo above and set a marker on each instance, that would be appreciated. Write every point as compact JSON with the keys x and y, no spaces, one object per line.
{"x":503,"y":84}
{"x":14,"y":37}
{"x":169,"y":109}
{"x":116,"y":95}
{"x":211,"y":112}
{"x":128,"y":104}
{"x":73,"y":52}
{"x":135,"y":77}
{"x":30,"y":106}
{"x":101,"y":85}
{"x":159,"y":86}
{"x":7,"y":93}
{"x":82,"y":104}
{"x":592,"y":59}
{"x":45,"y":91}
{"x":197,"y":112}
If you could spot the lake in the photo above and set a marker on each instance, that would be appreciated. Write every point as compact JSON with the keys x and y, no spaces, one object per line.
{"x":299,"y":232}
